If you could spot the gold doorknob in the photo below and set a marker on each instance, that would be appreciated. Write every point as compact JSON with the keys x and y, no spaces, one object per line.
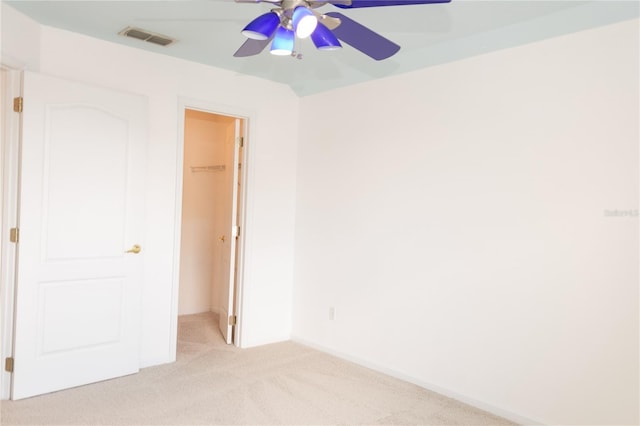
{"x":221,"y":238}
{"x":135,"y":249}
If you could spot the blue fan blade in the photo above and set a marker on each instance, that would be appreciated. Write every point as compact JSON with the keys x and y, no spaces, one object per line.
{"x":251,"y":47}
{"x":376,"y":3}
{"x":362,"y":38}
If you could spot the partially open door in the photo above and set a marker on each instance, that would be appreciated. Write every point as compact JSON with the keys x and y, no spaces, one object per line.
{"x":80,"y":248}
{"x":227,"y":295}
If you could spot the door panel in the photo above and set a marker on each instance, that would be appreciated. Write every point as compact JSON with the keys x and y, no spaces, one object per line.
{"x":228,"y":264}
{"x":81,"y":207}
{"x":102,"y":303}
{"x":69,"y":183}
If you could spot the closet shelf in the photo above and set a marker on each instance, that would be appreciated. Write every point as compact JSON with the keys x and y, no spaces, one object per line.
{"x":209,"y":169}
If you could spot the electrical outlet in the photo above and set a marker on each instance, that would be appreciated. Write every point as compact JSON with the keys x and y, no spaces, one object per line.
{"x":332,"y":313}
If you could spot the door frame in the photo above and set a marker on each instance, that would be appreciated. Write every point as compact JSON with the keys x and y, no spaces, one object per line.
{"x":248,"y":119}
{"x":10,"y":160}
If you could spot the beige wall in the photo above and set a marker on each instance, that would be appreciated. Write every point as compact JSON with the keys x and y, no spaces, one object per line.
{"x":204,"y":204}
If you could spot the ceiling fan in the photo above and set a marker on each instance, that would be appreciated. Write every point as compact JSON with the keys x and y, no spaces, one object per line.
{"x":293,"y":19}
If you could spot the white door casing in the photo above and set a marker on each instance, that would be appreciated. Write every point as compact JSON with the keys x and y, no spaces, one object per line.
{"x":247,"y":120}
{"x":82,"y":174}
{"x":227,"y":290}
{"x":12,"y":87}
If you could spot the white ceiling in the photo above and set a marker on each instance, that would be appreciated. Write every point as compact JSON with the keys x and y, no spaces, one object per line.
{"x":208,"y":31}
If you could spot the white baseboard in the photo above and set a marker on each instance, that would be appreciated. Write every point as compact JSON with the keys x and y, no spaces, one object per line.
{"x":429,"y":386}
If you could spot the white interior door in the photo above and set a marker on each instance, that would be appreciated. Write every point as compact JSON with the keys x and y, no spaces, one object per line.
{"x":227,"y":290}
{"x":81,"y":207}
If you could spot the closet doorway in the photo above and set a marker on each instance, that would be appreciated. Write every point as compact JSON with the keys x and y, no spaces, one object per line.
{"x":211,"y":216}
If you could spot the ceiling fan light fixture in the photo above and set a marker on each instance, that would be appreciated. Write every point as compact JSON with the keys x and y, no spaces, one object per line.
{"x":324,"y":39}
{"x":304,"y":21}
{"x":262,"y":27}
{"x":282,"y":44}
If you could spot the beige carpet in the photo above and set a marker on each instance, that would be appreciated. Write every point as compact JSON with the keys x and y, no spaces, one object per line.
{"x":212,"y":383}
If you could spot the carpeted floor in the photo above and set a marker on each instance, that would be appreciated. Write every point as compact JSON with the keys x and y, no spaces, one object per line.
{"x":212,"y":383}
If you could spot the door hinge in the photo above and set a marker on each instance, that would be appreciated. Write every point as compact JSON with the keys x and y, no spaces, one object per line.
{"x":8,"y":365}
{"x":18,"y":104}
{"x":232,"y":320}
{"x":241,"y":141}
{"x":14,"y":235}
{"x":236,"y":231}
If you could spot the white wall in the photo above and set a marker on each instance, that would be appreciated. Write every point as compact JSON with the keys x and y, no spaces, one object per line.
{"x":20,"y":39}
{"x":269,"y":226}
{"x":455,"y":219}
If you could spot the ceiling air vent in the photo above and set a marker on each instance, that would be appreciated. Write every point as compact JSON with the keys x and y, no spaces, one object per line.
{"x":147,"y":36}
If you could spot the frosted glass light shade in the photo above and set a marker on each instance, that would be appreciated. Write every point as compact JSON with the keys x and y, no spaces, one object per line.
{"x":304,"y":22}
{"x":324,"y":39}
{"x":262,"y":27}
{"x":282,"y":42}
